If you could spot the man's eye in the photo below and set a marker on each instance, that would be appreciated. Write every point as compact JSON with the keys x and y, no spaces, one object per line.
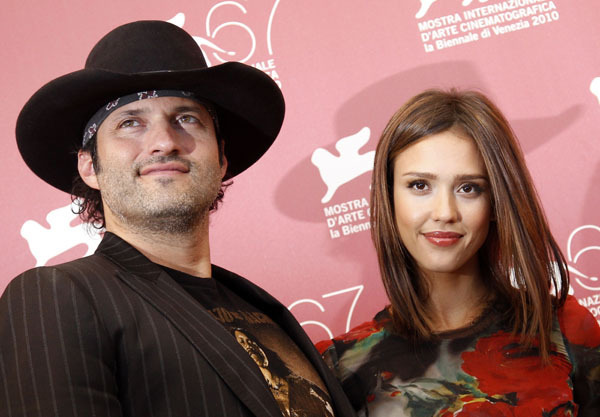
{"x":129,"y":123}
{"x":186,"y":118}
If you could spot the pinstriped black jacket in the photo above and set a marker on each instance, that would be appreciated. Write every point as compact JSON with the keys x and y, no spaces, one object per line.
{"x":113,"y":335}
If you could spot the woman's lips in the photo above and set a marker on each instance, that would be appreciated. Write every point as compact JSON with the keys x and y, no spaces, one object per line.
{"x":442,"y":238}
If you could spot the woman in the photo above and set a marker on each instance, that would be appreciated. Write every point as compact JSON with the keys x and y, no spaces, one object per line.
{"x":469,"y":266}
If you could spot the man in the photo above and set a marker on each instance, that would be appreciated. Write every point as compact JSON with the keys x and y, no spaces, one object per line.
{"x":147,"y":326}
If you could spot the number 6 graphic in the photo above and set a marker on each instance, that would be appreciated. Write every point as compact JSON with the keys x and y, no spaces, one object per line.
{"x":212,"y":34}
{"x":358,"y":289}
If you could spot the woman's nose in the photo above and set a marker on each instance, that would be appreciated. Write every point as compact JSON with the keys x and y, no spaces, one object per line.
{"x":444,"y":207}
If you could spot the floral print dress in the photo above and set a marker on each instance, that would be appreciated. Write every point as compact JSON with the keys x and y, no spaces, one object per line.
{"x":482,"y":370}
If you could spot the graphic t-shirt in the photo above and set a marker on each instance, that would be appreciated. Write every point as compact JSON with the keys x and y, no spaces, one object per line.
{"x":295,"y":385}
{"x":481,"y":370}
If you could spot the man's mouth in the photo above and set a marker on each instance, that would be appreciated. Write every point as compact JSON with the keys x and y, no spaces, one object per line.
{"x":164,"y":169}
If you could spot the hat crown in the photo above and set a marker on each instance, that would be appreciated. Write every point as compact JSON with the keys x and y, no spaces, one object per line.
{"x":140,"y":56}
{"x":146,"y":46}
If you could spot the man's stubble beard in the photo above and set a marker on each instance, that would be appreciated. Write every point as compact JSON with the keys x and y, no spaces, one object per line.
{"x":165,"y":208}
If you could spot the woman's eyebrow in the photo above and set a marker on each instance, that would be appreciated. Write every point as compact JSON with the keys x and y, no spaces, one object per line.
{"x":471,"y":177}
{"x":430,"y":176}
{"x":426,"y":175}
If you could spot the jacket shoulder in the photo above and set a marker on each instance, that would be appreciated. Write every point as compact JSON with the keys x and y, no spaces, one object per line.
{"x":83,"y":266}
{"x":80,"y":275}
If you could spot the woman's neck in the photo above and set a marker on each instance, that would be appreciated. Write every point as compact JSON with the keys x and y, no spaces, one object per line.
{"x":455,"y":300}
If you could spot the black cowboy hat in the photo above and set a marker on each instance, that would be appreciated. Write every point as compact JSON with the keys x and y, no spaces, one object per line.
{"x":139,"y":56}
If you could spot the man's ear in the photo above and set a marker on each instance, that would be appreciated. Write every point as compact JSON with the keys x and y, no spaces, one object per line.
{"x":85,"y":166}
{"x":223,"y":159}
{"x":223,"y":166}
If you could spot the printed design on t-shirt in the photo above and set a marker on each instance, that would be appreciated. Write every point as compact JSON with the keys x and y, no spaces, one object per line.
{"x":304,"y":399}
{"x":295,"y":385}
{"x":267,"y":346}
{"x":226,"y":316}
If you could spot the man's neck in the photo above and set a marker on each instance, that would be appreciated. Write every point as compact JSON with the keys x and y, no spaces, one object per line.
{"x":186,"y":252}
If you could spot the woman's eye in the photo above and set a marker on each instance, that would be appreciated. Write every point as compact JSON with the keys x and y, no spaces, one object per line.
{"x":470,"y":189}
{"x":418,"y":185}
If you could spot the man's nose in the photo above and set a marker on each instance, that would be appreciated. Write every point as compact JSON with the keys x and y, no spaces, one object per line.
{"x":162,"y":138}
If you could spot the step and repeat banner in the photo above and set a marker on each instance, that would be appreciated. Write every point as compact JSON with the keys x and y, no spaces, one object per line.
{"x":297,"y":222}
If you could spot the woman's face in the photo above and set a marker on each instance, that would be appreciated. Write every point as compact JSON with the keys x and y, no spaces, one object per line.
{"x":442,"y":202}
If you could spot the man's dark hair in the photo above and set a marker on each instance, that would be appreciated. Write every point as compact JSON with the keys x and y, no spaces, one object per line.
{"x":88,"y":200}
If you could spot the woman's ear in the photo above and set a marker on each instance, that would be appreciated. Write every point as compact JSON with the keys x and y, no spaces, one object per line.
{"x":85,"y":166}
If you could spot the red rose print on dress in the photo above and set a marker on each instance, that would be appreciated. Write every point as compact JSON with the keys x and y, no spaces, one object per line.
{"x":517,"y":366}
{"x":355,"y":335}
{"x":578,"y":325}
{"x":479,"y":408}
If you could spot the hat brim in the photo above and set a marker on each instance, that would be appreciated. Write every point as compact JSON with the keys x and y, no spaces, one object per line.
{"x":50,"y":127}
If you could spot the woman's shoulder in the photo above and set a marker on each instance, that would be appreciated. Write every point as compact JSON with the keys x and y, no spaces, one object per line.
{"x":373,"y":328}
{"x":578,"y":325}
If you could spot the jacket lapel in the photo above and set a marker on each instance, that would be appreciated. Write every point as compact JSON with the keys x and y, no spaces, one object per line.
{"x":195,"y":323}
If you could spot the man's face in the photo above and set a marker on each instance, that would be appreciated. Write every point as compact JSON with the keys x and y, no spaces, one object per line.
{"x":255,"y":352}
{"x":158,"y":165}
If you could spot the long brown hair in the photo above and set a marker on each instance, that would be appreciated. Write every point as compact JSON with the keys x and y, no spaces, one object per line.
{"x":520,"y":259}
